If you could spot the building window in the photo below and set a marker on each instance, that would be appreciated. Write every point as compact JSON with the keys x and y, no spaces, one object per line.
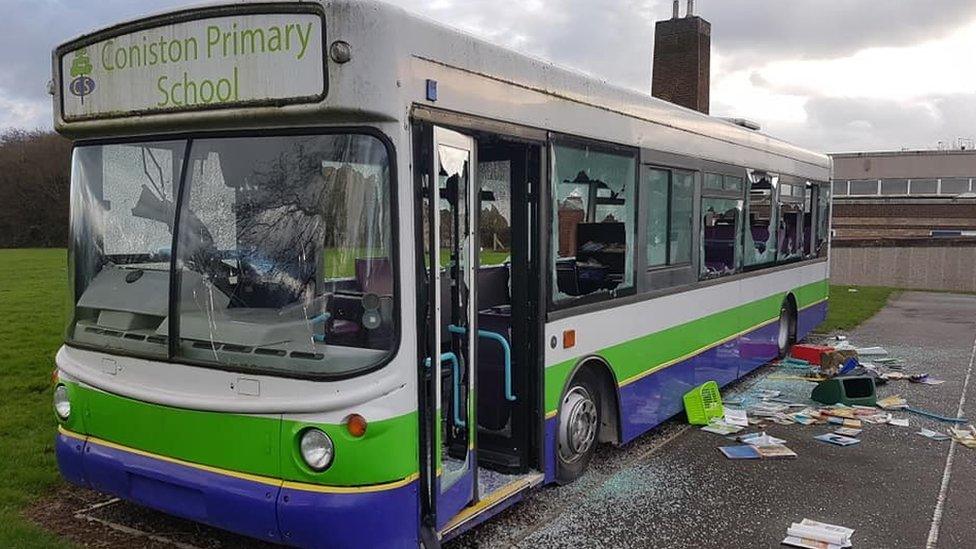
{"x":924,"y":186}
{"x":593,"y":220}
{"x":894,"y":186}
{"x":955,"y":185}
{"x":863,"y":187}
{"x":840,"y":188}
{"x":720,"y":236}
{"x":761,"y":219}
{"x":667,"y":197}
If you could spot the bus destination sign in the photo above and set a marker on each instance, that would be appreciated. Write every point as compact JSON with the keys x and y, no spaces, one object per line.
{"x":233,"y":60}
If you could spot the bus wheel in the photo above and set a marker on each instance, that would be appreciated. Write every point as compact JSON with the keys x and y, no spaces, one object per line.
{"x":786,"y":335}
{"x":579,"y":423}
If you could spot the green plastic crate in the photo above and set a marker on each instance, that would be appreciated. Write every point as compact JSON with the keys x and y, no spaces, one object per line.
{"x":704,"y":403}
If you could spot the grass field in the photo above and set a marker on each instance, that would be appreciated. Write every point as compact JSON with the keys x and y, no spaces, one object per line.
{"x":32,"y":298}
{"x":32,"y":304}
{"x":849,"y":308}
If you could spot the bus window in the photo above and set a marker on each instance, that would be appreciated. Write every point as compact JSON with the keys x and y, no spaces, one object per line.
{"x":496,"y":212}
{"x":823,"y":220}
{"x":790,"y":236}
{"x":720,"y":236}
{"x":761,"y":219}
{"x":668,"y":198}
{"x":286,"y":242}
{"x":593,"y":221}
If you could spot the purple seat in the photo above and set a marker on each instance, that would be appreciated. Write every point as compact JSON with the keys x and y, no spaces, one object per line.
{"x":375,"y":275}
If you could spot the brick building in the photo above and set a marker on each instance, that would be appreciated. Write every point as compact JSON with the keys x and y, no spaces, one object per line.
{"x":905,"y":219}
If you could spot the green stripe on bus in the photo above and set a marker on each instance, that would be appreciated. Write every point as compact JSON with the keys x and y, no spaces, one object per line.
{"x":259,"y":445}
{"x":649,"y":353}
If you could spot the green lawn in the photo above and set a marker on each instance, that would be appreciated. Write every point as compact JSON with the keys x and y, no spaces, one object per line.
{"x":848,"y":308}
{"x":32,"y":298}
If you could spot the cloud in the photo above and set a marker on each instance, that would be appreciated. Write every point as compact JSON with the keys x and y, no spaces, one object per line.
{"x":829,"y":74}
{"x":746,"y":30}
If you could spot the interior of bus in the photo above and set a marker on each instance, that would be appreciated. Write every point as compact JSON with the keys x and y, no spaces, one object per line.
{"x":503,"y":281}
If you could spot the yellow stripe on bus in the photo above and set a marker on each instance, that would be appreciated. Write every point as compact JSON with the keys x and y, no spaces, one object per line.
{"x":245,"y":476}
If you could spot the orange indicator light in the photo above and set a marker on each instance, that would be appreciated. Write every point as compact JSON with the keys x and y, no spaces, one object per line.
{"x":569,"y":339}
{"x":356,"y":425}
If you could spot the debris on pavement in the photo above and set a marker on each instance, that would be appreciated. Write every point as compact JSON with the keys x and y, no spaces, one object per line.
{"x":933,"y":415}
{"x":748,"y":451}
{"x":925,"y":379}
{"x":775,"y":451}
{"x":894,"y":402}
{"x":811,"y":534}
{"x":934,"y":435}
{"x":898,"y":421}
{"x":839,"y":440}
{"x":721,"y":427}
{"x":743,"y":451}
{"x":848,"y":432}
{"x":871,"y":351}
{"x":736,"y":416}
{"x":966,"y":437}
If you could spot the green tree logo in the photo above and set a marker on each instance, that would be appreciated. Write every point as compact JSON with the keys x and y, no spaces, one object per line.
{"x":81,"y":65}
{"x":81,"y":84}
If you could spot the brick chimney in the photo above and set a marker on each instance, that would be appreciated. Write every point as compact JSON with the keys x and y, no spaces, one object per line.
{"x":682,"y":60}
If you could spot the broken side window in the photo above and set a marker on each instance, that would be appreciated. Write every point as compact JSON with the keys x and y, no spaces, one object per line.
{"x":761,"y":219}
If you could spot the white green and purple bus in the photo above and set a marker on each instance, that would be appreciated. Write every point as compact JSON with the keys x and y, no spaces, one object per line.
{"x":343,"y":277}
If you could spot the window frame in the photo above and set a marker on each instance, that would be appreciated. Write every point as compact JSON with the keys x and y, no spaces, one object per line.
{"x":173,"y":298}
{"x":551,"y":219}
{"x":644,"y":216}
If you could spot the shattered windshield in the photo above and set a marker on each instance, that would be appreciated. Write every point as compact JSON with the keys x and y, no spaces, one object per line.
{"x":283,"y":252}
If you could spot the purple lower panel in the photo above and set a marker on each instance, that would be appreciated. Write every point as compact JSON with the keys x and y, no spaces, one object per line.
{"x":387,"y":518}
{"x":552,"y":425}
{"x":70,"y":452}
{"x":227,"y":502}
{"x":810,"y":318}
{"x":456,"y":496}
{"x":758,"y":347}
{"x":653,"y":399}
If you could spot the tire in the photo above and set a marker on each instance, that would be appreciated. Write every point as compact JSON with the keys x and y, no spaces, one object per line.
{"x":578,"y":428}
{"x":786,"y":334}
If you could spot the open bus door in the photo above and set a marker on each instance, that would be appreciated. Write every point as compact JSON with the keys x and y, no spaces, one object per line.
{"x":450,"y":260}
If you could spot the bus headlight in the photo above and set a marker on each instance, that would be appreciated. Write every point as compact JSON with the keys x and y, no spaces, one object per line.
{"x":317,"y":449}
{"x":62,"y":405}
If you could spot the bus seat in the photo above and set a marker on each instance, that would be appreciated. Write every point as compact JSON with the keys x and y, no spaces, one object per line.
{"x":375,"y":275}
{"x":493,"y":287}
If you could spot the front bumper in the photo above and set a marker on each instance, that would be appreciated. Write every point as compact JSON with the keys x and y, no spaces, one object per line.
{"x":302,"y":515}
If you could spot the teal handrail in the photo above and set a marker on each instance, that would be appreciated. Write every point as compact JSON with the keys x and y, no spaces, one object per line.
{"x":506,"y":349}
{"x":456,"y":368}
{"x":324,"y":317}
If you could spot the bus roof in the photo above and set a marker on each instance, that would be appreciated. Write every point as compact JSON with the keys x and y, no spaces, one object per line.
{"x":387,"y":40}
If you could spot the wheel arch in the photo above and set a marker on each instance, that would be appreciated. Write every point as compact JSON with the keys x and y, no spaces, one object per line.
{"x":609,"y":389}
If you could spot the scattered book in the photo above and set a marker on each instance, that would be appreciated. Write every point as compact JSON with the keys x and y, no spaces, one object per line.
{"x":898,"y":421}
{"x":743,"y":451}
{"x":736,"y":416}
{"x":776,"y":451}
{"x":839,"y":440}
{"x":934,"y":435}
{"x":847,"y":431}
{"x":721,"y":428}
{"x":871,"y":351}
{"x":810,"y":534}
{"x":761,"y":439}
{"x":892,"y":403}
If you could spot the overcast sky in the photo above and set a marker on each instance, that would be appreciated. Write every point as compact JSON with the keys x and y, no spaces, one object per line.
{"x":833,"y":75}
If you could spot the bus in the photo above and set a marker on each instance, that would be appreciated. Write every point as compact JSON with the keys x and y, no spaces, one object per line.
{"x":344,"y":277}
